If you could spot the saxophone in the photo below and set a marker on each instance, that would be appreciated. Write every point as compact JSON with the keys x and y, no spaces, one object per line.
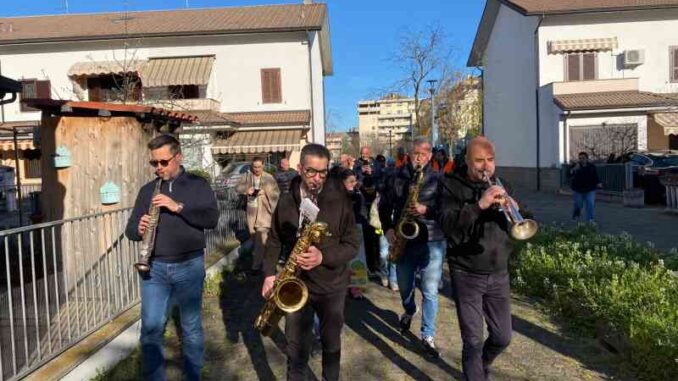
{"x":407,"y":227}
{"x":148,"y":241}
{"x":289,"y":293}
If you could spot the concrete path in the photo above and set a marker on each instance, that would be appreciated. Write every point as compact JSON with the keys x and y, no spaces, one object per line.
{"x":651,"y":224}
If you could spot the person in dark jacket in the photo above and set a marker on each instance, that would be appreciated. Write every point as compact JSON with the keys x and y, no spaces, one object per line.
{"x":284,"y":175}
{"x":479,"y":246}
{"x":187,"y":207}
{"x":325,"y":266}
{"x":422,"y":254}
{"x":584,"y":184}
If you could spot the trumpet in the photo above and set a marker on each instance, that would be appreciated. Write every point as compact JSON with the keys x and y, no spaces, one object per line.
{"x":521,"y":228}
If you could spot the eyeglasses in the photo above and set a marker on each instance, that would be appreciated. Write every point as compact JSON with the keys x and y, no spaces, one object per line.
{"x":311,"y":172}
{"x":163,"y":162}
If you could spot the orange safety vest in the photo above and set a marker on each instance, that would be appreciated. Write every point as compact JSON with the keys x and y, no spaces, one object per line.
{"x":447,"y":168}
{"x":404,"y":160}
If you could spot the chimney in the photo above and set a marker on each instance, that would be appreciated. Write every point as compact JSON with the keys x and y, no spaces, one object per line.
{"x":308,"y":1}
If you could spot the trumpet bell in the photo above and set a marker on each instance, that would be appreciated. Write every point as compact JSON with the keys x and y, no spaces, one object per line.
{"x":524,"y":229}
{"x":291,"y":295}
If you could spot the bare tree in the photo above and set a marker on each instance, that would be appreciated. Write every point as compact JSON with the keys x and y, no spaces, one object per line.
{"x":421,"y":55}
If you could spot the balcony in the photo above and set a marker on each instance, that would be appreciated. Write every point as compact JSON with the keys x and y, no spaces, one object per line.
{"x":187,"y":104}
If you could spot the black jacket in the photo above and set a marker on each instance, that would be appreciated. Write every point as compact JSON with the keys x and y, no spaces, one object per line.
{"x":284,"y":179}
{"x":396,"y":192}
{"x":179,"y":237}
{"x":585,"y":179}
{"x":478,"y":240}
{"x":336,"y":209}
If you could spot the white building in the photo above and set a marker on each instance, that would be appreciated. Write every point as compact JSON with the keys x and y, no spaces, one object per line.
{"x":254,"y":75}
{"x":603,"y":76}
{"x":388,"y":120}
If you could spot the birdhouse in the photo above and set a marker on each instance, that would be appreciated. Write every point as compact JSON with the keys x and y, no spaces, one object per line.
{"x":110,"y":193}
{"x":62,"y":157}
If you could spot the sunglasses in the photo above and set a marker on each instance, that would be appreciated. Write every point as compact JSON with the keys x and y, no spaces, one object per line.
{"x":163,"y":162}
{"x":311,"y":172}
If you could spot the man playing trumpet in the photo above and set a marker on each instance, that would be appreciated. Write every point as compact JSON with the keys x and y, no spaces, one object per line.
{"x":478,"y":233}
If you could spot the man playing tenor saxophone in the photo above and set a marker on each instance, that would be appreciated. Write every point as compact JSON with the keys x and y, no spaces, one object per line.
{"x":187,"y":206}
{"x":325,"y":270}
{"x":414,"y":231}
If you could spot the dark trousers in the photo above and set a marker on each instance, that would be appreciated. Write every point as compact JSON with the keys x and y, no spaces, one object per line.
{"x":479,"y":297}
{"x":299,"y":334}
{"x":371,"y":240}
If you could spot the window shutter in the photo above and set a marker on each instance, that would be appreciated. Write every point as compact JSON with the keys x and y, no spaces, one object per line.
{"x":94,"y":89}
{"x":265,"y":86}
{"x":589,"y":63}
{"x":674,"y":64}
{"x":573,"y":69}
{"x":271,"y":86}
{"x":276,"y":89}
{"x":43,"y":90}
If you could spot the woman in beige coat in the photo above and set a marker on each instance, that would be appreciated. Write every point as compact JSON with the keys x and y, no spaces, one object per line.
{"x":262,"y":194}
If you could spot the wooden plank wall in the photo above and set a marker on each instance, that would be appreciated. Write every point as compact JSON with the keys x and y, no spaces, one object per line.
{"x":103,"y":149}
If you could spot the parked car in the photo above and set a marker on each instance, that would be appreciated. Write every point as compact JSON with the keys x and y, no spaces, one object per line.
{"x":234,"y":171}
{"x":649,"y":168}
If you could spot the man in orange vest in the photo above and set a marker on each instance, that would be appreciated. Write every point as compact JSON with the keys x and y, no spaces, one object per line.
{"x":442,"y":163}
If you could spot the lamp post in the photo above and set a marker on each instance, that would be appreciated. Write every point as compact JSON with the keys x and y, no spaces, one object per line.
{"x":434,"y":130}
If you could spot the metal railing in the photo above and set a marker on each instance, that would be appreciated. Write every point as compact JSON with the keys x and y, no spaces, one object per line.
{"x":62,"y":280}
{"x":613,"y":176}
{"x":232,"y":221}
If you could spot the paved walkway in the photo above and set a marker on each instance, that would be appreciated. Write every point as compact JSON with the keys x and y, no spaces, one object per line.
{"x":651,"y":224}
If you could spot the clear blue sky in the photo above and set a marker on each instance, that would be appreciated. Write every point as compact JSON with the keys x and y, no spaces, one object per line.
{"x":365,"y":33}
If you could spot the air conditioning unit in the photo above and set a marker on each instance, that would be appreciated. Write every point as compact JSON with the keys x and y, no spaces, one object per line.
{"x":634,"y":57}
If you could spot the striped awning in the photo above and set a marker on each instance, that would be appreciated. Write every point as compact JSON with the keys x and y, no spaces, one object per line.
{"x":669,"y":121}
{"x":584,"y":45}
{"x":177,"y":71}
{"x":262,"y":141}
{"x":93,"y":68}
{"x":24,"y":144}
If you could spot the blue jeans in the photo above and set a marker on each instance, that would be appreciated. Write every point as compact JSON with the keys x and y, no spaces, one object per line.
{"x":182,"y":283}
{"x":428,"y":259}
{"x":588,"y":198}
{"x":386,"y":268}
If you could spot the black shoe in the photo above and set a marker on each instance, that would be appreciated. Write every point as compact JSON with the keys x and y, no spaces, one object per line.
{"x":406,"y":322}
{"x":430,"y":347}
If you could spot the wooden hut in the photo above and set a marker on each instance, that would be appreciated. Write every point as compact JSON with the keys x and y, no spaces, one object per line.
{"x":85,"y":145}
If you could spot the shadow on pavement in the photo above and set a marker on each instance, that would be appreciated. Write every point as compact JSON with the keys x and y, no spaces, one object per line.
{"x":566,"y":345}
{"x":364,"y":317}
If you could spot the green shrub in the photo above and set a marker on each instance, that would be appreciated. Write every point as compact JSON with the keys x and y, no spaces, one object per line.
{"x":595,"y":280}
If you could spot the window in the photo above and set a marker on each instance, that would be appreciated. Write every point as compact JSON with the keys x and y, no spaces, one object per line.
{"x":674,"y":63}
{"x":581,"y":66}
{"x":34,"y":89}
{"x":32,"y":168}
{"x":271,"y":91}
{"x":184,"y":92}
{"x":112,"y":88}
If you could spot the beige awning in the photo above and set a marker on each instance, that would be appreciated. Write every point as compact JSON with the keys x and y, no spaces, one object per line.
{"x":591,"y":44}
{"x":177,"y":71}
{"x":8,"y":145}
{"x":259,"y":142}
{"x":669,"y":121}
{"x":92,"y":68}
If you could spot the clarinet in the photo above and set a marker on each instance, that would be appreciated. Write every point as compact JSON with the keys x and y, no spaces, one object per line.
{"x":148,"y":241}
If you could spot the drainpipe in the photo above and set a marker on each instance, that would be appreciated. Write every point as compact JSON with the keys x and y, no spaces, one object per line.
{"x":536,"y":98}
{"x":310,"y":84}
{"x":482,"y":100}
